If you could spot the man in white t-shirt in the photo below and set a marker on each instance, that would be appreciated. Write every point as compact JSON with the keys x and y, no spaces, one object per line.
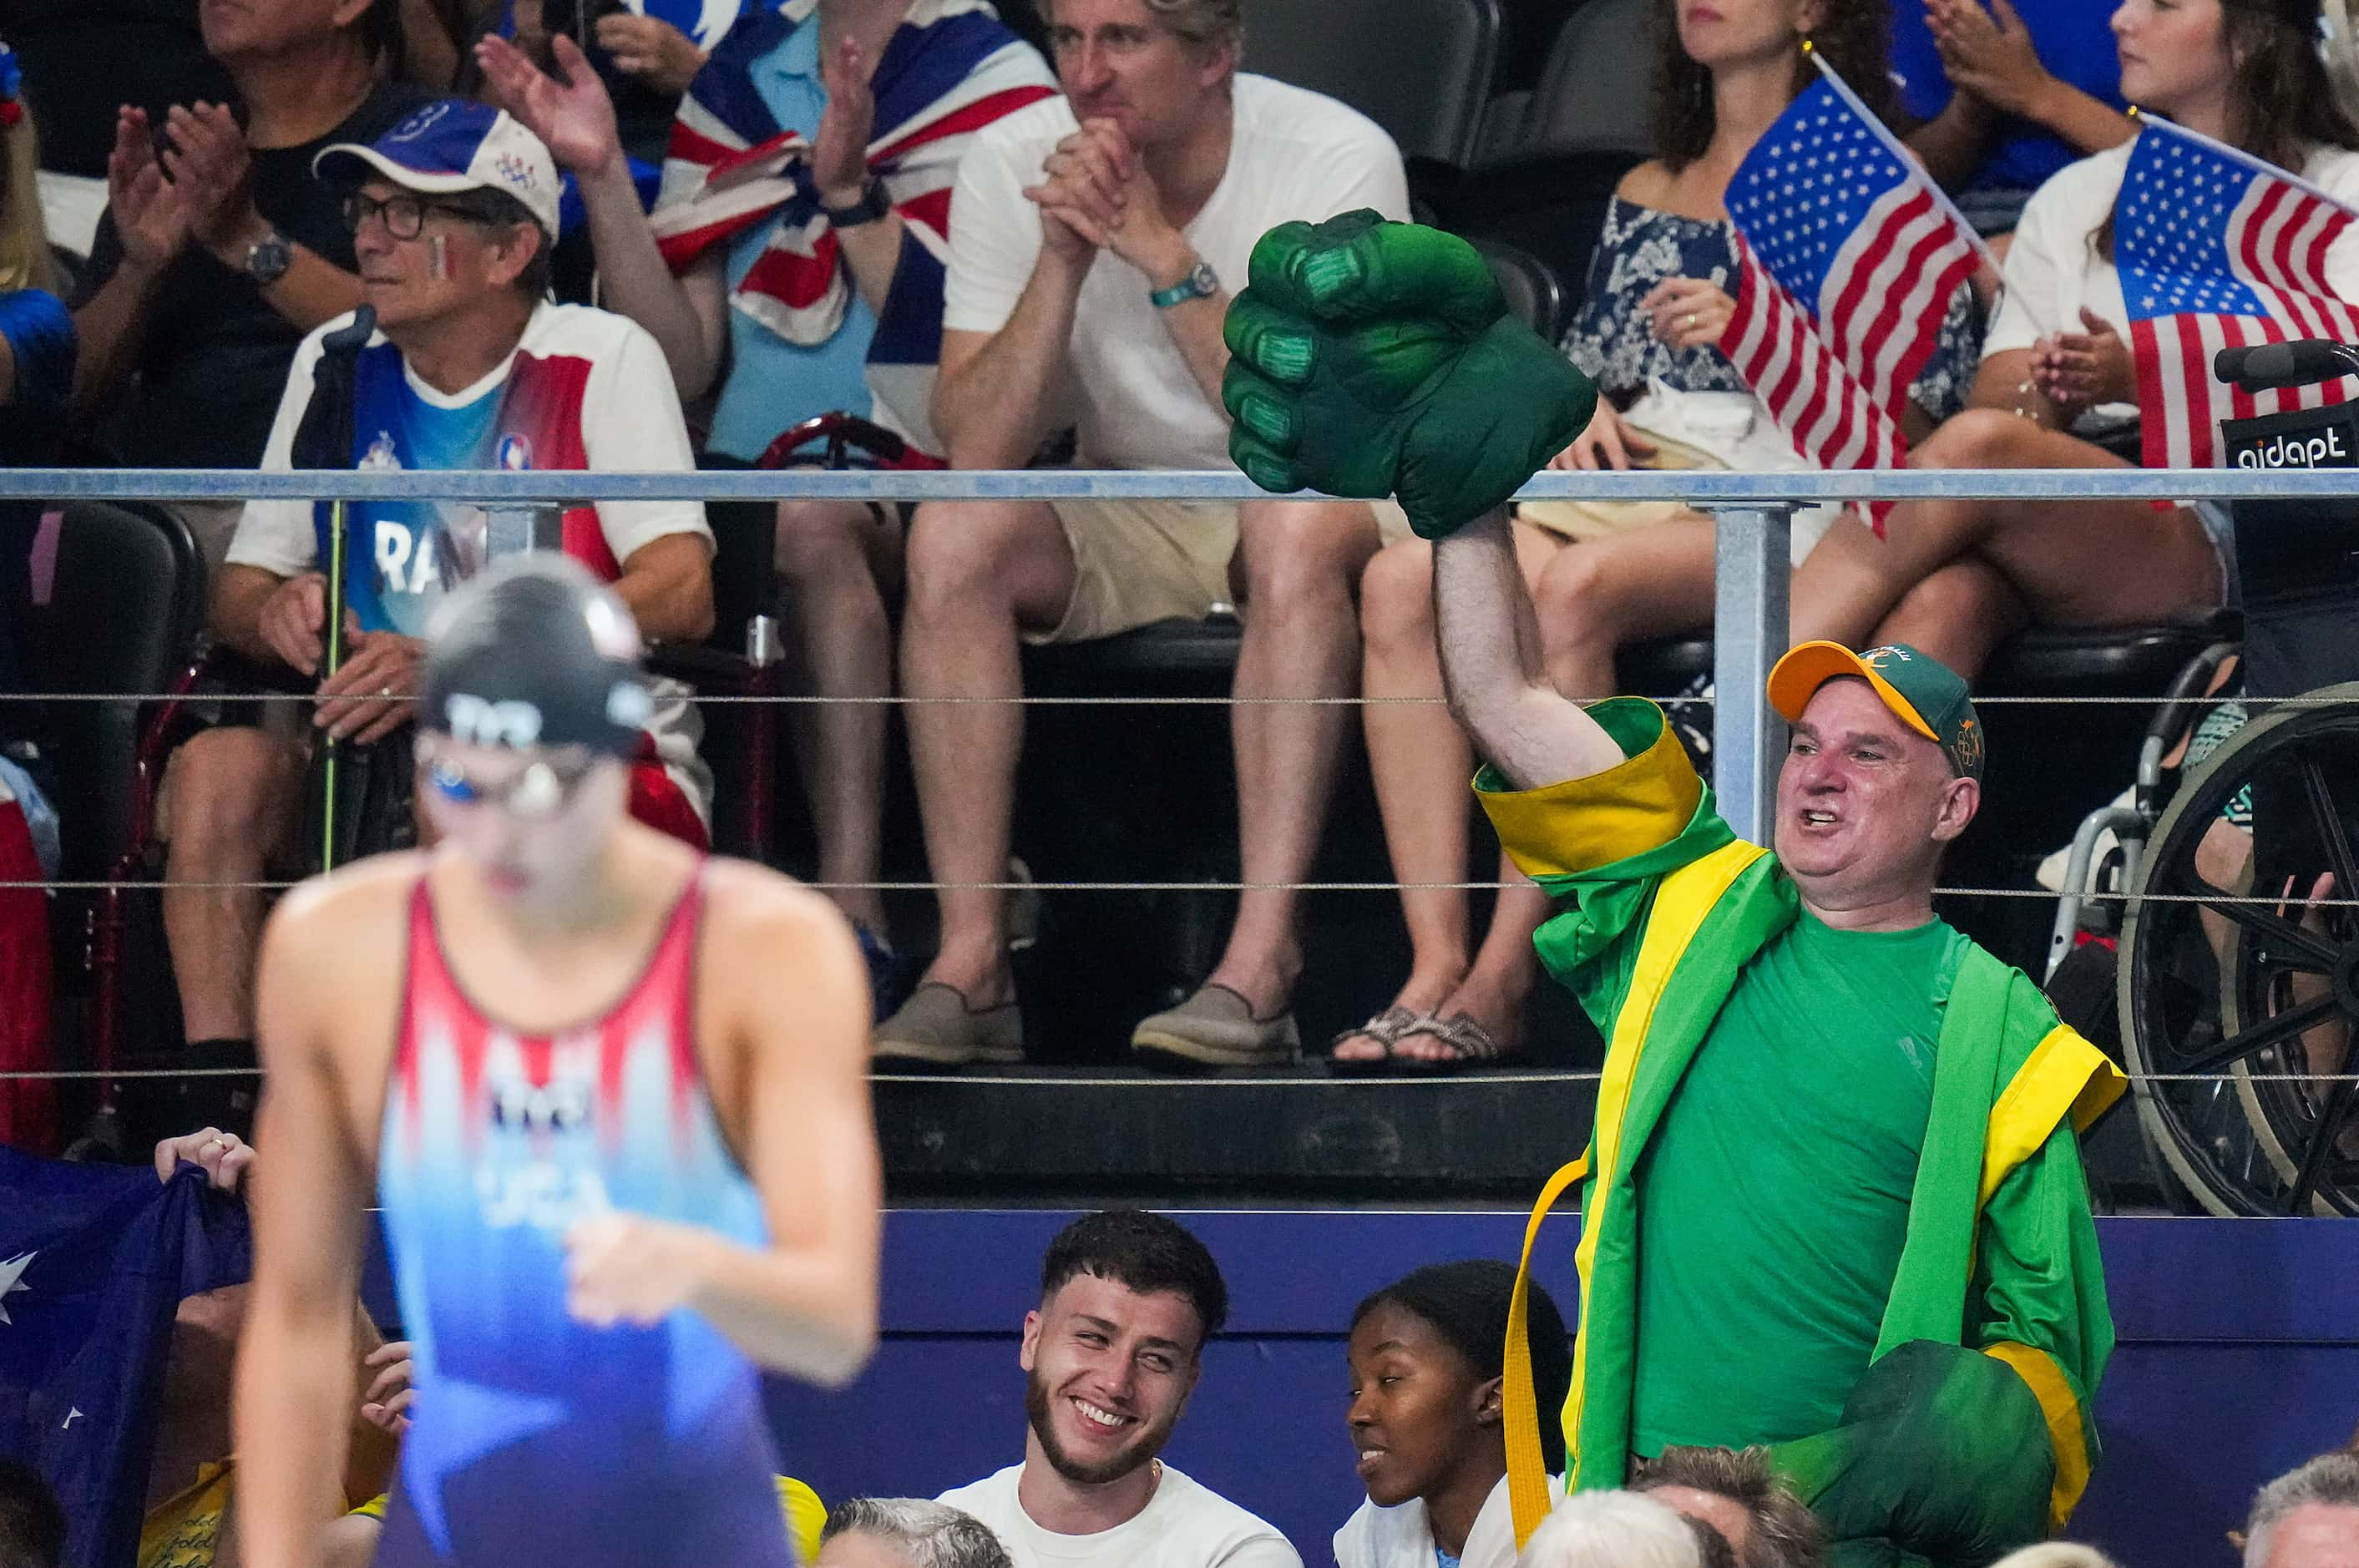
{"x":1127,"y":1300}
{"x":1094,"y":244}
{"x":453,"y":211}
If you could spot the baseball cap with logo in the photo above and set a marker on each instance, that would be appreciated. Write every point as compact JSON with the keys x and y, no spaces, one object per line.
{"x":451,"y":145}
{"x":1927,"y":694}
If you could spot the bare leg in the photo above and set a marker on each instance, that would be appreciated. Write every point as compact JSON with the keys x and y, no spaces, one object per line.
{"x":1960,"y":615}
{"x":826,"y":557}
{"x":229,"y":802}
{"x":979,"y":571}
{"x":1420,"y":760}
{"x":1301,"y":563}
{"x":2158,"y":565}
{"x":1599,"y":594}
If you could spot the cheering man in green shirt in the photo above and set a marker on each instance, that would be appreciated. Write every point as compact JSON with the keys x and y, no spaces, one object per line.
{"x":1833,"y":1200}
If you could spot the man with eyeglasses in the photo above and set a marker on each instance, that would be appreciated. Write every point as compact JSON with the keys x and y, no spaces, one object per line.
{"x":611,"y":1097}
{"x":452,"y":213}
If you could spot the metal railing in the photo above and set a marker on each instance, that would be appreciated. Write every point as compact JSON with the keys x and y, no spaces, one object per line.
{"x":1753,"y":512}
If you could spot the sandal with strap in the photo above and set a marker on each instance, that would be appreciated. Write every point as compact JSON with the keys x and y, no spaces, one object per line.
{"x":1387,"y":1029}
{"x":1469,"y":1043}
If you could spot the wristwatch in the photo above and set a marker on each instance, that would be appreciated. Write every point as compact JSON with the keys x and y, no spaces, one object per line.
{"x":1201,"y":283}
{"x":268,"y":258}
{"x":874,"y":203}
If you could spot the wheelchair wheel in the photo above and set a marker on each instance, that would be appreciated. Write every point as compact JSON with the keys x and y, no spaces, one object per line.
{"x":2223,"y":998}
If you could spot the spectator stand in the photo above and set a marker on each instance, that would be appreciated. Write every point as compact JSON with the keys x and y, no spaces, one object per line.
{"x":1135,"y":859}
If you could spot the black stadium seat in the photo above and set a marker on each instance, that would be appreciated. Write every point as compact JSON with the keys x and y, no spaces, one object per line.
{"x":1597,"y":89}
{"x":1534,"y":291}
{"x":121,"y":618}
{"x":1421,"y":68}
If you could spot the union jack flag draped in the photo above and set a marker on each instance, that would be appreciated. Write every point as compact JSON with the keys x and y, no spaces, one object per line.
{"x":1846,"y":260}
{"x":951,"y":70}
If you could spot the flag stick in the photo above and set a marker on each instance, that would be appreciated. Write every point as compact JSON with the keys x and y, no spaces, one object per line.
{"x":335,"y":660}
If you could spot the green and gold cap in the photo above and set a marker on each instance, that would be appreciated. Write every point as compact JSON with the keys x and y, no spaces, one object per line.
{"x":1930,"y":697}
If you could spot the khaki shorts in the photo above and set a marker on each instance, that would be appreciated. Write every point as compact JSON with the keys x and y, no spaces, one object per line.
{"x":1136,"y":562}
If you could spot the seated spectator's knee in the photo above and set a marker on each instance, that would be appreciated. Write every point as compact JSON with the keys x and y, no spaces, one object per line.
{"x":1291,"y":552}
{"x":1396,"y":597}
{"x":1977,"y":437}
{"x":227,"y":796}
{"x":821,"y":541}
{"x":956,"y":556}
{"x":1574,"y":600}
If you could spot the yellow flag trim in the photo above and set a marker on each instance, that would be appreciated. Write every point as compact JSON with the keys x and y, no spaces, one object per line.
{"x":1681,"y":903}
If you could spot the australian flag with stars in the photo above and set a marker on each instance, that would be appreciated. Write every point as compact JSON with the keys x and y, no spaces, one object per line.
{"x":94,"y":1262}
{"x":2218,"y":249}
{"x":1846,"y":260}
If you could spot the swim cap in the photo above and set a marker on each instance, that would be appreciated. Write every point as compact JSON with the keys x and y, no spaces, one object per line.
{"x":534,"y":652}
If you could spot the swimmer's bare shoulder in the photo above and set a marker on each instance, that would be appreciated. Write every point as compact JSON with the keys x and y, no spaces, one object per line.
{"x":328,"y":990}
{"x":778,"y":968}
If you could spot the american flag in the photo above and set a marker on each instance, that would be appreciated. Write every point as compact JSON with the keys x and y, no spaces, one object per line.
{"x":2218,"y":249}
{"x":949,"y":70}
{"x":1846,"y":258}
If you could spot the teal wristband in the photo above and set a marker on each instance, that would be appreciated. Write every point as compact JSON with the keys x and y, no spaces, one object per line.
{"x":1201,"y":283}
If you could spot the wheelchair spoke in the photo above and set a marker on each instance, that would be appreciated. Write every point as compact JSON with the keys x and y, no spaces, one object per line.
{"x":2327,"y":817}
{"x":2261,"y":1036}
{"x":2284,"y":938}
{"x":2322,"y":1146}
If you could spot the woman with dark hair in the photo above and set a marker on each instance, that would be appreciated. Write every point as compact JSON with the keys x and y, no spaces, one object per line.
{"x":1603,"y":574}
{"x":1427,"y":1356}
{"x":2057,"y":368}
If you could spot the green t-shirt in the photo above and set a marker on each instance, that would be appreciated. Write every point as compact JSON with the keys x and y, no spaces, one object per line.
{"x":1773,"y":1199}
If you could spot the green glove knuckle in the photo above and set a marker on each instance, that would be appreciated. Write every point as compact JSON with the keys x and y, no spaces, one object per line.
{"x":1270,"y":420}
{"x":1278,"y":345}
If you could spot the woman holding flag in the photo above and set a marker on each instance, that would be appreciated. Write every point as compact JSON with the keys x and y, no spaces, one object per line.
{"x":1662,"y":294}
{"x":2068,"y":359}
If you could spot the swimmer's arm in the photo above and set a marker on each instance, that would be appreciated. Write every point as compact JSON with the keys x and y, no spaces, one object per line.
{"x":1491,"y":665}
{"x":807,"y":1303}
{"x":293,"y":1370}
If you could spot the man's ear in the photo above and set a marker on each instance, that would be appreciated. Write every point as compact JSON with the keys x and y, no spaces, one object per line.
{"x":1028,"y":1349}
{"x":516,"y":253}
{"x":1490,"y":1401}
{"x":348,"y":13}
{"x":1960,"y":799}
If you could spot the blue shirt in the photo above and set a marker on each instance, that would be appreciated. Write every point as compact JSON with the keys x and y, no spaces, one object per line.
{"x":773,"y":384}
{"x":2075,"y":40}
{"x":40,"y":335}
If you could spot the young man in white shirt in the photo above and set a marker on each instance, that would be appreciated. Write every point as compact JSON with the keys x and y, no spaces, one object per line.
{"x":453,"y":211}
{"x":1095,"y":241}
{"x":1127,"y":1300}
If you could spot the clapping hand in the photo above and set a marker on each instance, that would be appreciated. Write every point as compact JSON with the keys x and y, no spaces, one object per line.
{"x":1988,"y":53}
{"x":2077,"y":371}
{"x":151,"y":213}
{"x":208,"y":163}
{"x":839,"y":163}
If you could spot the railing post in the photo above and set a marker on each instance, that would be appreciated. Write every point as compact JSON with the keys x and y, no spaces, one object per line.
{"x":1750,"y":594}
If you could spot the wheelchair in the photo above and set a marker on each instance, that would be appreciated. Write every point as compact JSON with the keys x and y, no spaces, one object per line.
{"x":2237,"y":976}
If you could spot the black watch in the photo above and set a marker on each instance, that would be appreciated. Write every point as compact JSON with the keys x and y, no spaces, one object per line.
{"x":268,"y":260}
{"x":874,"y":203}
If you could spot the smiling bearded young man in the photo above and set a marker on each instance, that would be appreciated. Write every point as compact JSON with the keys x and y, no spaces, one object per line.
{"x":1127,"y":1300}
{"x":1837,"y":1205}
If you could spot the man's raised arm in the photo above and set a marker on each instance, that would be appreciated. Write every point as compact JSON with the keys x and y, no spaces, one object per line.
{"x":1372,"y":358}
{"x":1490,"y":664}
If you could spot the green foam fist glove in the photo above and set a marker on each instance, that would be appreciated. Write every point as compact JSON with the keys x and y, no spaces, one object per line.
{"x":1372,"y":358}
